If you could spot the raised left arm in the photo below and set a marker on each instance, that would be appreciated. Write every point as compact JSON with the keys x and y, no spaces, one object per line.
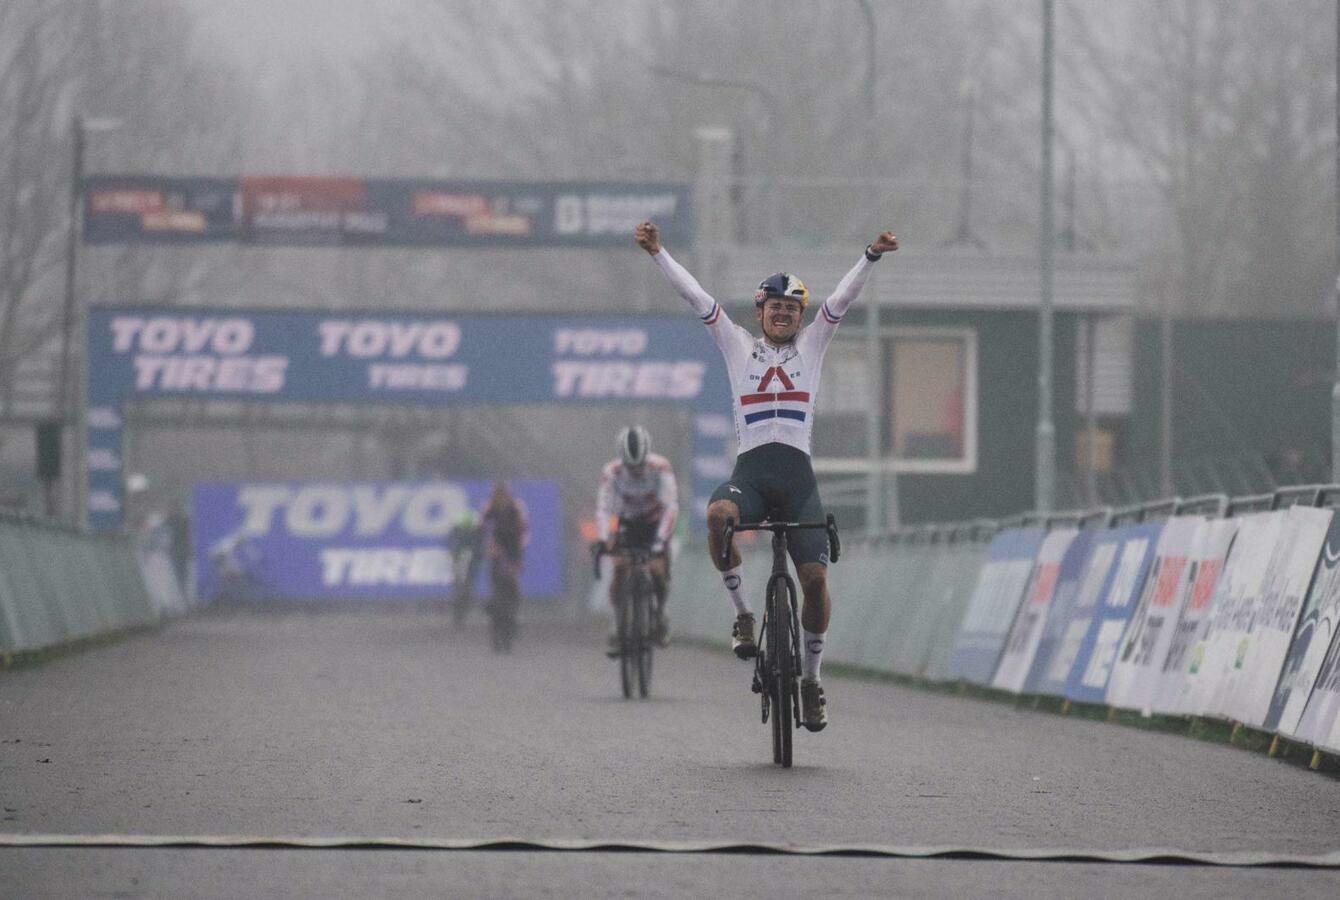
{"x":849,"y":288}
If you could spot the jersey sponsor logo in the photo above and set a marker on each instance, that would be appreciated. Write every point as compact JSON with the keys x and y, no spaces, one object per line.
{"x":789,"y":395}
{"x":780,"y":374}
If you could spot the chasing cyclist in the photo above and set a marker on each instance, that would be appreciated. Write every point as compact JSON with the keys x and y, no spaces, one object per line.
{"x":639,"y":488}
{"x":774,"y":383}
{"x":505,"y":522}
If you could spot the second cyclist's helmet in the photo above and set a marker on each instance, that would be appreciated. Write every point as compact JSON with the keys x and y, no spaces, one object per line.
{"x":782,"y":285}
{"x":634,"y":445}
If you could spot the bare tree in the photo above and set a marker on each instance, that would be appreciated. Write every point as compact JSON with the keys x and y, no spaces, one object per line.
{"x":1218,"y":105}
{"x":60,"y":59}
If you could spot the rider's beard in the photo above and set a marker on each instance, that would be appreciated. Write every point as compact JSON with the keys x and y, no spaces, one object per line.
{"x":779,"y":334}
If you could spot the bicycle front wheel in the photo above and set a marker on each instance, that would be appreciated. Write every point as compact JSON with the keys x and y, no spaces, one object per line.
{"x":781,"y":599}
{"x":627,"y":672}
{"x":642,"y":632}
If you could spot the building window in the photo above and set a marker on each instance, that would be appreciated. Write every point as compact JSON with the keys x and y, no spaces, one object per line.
{"x":928,"y":418}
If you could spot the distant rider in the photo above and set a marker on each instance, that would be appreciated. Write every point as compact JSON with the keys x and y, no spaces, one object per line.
{"x":506,"y":525}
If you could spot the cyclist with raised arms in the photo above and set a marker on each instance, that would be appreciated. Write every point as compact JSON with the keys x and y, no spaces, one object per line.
{"x":774,"y":384}
{"x":638,"y":487}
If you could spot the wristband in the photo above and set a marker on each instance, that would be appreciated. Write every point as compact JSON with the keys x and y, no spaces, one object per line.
{"x":871,"y":254}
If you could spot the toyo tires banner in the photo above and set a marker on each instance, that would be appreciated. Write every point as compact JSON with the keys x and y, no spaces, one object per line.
{"x":261,"y":541}
{"x":270,"y":356}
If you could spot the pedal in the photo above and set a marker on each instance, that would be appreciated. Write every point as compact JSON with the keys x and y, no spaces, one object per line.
{"x":757,"y":686}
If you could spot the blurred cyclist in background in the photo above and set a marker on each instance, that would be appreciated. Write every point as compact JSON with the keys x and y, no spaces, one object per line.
{"x":506,"y":526}
{"x":465,"y":544}
{"x":639,"y":488}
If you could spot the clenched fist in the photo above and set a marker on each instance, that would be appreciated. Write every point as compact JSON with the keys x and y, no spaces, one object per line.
{"x":648,"y":237}
{"x":886,"y":241}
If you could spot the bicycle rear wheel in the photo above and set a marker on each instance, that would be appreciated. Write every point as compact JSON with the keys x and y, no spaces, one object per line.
{"x":642,"y":633}
{"x":781,"y":600}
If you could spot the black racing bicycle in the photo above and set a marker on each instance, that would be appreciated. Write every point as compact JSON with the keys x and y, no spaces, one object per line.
{"x":635,"y":619}
{"x":777,"y":665}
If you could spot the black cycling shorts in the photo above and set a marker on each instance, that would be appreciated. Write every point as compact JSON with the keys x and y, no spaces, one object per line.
{"x":776,"y":482}
{"x":641,"y":534}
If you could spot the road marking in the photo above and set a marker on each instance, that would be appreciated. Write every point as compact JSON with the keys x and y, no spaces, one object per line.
{"x":1145,"y":856}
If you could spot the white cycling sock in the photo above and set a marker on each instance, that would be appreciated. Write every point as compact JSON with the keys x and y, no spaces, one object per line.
{"x":734,"y":586}
{"x":814,"y":651}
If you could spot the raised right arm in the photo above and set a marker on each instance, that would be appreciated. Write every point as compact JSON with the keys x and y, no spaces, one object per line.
{"x":688,"y":287}
{"x":731,"y":338}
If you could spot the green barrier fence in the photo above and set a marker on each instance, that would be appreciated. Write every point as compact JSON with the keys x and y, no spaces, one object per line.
{"x":60,"y":585}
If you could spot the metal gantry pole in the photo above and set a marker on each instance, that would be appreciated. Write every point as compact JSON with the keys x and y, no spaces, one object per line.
{"x":1045,"y":474}
{"x":875,"y":495}
{"x":70,"y":421}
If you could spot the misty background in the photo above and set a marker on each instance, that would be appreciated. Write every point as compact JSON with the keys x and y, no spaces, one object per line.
{"x":1195,"y":144}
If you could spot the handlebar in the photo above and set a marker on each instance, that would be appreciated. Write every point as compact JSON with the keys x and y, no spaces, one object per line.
{"x":599,"y":552}
{"x":829,"y":525}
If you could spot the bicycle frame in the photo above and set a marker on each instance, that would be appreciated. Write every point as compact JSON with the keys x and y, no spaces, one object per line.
{"x":635,"y":650}
{"x":778,"y":658}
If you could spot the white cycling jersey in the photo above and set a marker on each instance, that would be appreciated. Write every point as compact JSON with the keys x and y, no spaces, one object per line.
{"x":773,"y":389}
{"x":651,"y":496}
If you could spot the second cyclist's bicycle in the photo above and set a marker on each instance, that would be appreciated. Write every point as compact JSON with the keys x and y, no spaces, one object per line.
{"x":635,"y":612}
{"x":777,"y":665}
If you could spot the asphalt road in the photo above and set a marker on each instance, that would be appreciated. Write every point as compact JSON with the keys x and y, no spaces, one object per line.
{"x":376,"y":723}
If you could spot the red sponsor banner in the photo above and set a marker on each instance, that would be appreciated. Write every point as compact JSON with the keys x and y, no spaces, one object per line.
{"x":1170,"y":580}
{"x":1044,"y":583}
{"x":286,"y":193}
{"x":1207,"y":576}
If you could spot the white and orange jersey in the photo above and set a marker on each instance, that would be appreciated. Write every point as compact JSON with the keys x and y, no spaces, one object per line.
{"x":773,"y":389}
{"x":651,"y":496}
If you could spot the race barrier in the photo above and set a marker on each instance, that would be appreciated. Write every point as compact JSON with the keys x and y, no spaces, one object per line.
{"x":60,"y":586}
{"x":1207,"y":610}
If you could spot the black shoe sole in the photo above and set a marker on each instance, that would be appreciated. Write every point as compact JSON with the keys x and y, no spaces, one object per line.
{"x":746,"y":651}
{"x":813,"y":729}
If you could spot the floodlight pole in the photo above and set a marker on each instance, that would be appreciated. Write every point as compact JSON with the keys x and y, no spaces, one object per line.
{"x":1045,"y":475}
{"x":70,"y":407}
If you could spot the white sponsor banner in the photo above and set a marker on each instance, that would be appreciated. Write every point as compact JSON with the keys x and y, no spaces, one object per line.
{"x":1145,"y":644}
{"x":1302,"y":707}
{"x":1263,"y":627}
{"x":1244,"y":576}
{"x":1320,"y":725}
{"x":1026,"y":632}
{"x":1208,"y":555}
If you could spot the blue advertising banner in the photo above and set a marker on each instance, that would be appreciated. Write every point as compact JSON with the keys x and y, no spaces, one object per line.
{"x":316,"y":210}
{"x":388,"y":358}
{"x":995,"y":600}
{"x":260,"y":541}
{"x":1097,"y":653}
{"x":1074,"y":566}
